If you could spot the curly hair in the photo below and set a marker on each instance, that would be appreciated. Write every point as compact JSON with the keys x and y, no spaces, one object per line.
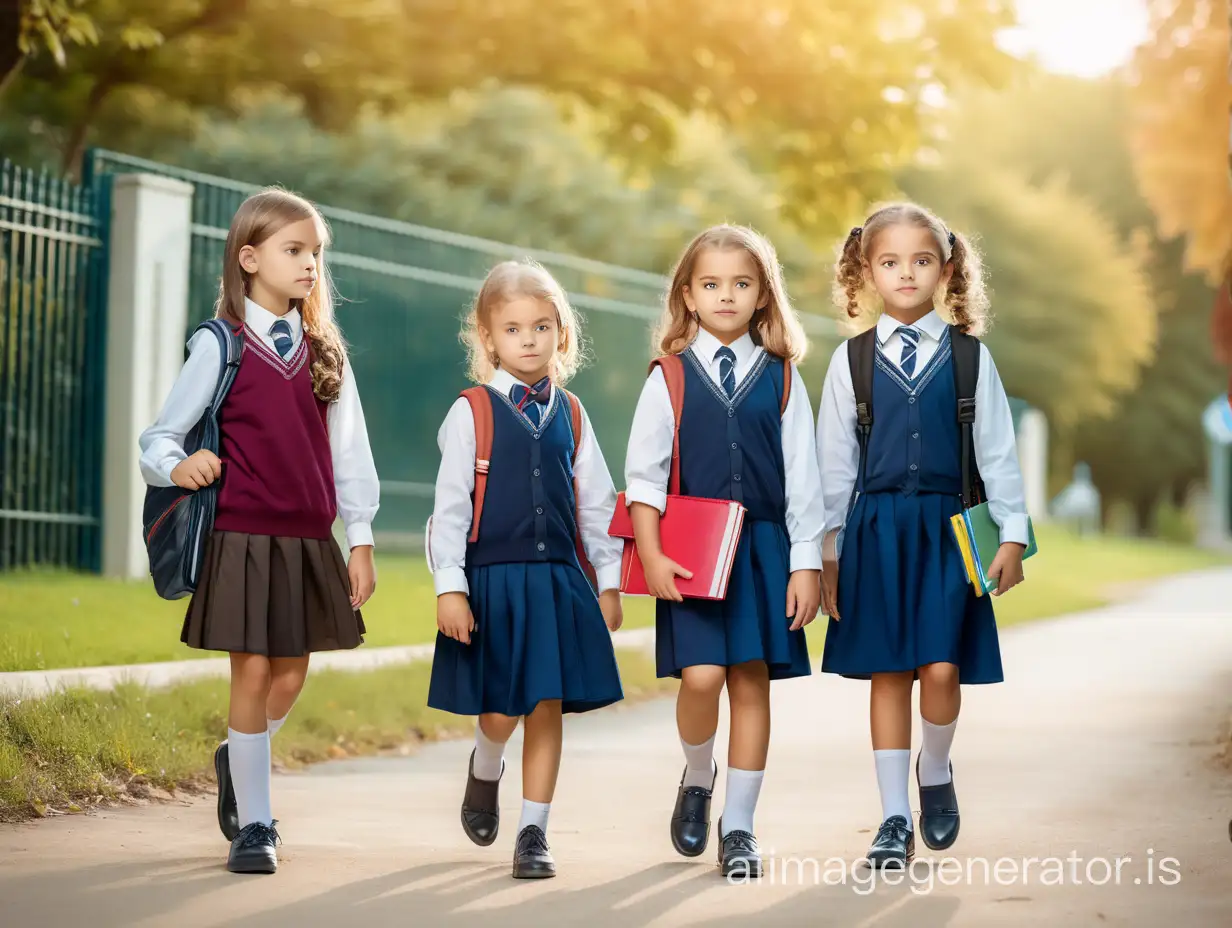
{"x":965,"y":296}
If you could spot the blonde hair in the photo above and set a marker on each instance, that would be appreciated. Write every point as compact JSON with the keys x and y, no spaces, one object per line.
{"x":776,"y":328}
{"x":511,"y":280}
{"x":260,"y":216}
{"x":965,"y":296}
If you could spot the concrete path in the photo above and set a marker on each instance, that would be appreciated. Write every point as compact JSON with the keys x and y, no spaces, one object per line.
{"x":1099,"y":746}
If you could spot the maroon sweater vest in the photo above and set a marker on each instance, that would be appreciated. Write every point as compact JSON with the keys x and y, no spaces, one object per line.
{"x":277,"y":472}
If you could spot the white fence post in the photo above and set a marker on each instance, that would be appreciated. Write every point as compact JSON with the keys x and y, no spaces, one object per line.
{"x":147,"y":316}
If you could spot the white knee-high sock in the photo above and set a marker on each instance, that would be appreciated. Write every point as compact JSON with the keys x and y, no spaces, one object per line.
{"x":893,"y":772}
{"x":534,"y":813}
{"x":489,"y":756}
{"x":935,"y":753}
{"x":249,"y":757}
{"x":699,"y":763}
{"x":743,"y":788}
{"x":272,"y":725}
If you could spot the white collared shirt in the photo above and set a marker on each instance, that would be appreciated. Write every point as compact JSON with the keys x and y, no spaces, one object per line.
{"x":996,"y":450}
{"x":355,"y":480}
{"x":648,"y":461}
{"x":455,"y":482}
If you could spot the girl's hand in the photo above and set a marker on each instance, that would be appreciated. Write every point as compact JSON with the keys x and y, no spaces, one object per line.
{"x":803,"y":597}
{"x":453,"y":616}
{"x":613,"y":610}
{"x":829,"y":576}
{"x":1007,"y":567}
{"x":362,"y":572}
{"x":199,"y":469}
{"x":661,"y":573}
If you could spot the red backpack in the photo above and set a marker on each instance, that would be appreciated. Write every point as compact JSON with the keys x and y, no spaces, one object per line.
{"x":481,"y":409}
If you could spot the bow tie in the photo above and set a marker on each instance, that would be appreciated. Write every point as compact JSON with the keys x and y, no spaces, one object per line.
{"x":540,"y":393}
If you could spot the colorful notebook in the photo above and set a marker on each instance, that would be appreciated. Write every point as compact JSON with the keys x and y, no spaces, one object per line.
{"x":701,"y":535}
{"x":978,"y":538}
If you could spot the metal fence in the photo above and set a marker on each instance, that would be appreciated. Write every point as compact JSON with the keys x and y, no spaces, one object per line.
{"x":52,"y":357}
{"x":404,"y":289}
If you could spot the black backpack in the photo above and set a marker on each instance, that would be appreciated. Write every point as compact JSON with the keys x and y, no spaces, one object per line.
{"x":966,"y":363}
{"x":177,"y":522}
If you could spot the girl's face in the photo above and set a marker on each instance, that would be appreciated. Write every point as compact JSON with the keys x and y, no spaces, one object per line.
{"x":725,"y":290}
{"x":285,"y":266}
{"x":525,"y":336}
{"x":905,"y":266}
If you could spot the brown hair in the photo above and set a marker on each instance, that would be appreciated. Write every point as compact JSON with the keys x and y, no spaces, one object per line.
{"x":964,"y":295}
{"x":510,"y":280}
{"x":776,"y":328}
{"x":259,"y":217}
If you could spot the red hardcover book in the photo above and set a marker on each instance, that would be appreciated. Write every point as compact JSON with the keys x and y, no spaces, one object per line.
{"x":700,"y":535}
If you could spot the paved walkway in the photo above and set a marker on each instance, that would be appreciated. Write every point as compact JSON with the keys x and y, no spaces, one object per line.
{"x":1097,"y":747}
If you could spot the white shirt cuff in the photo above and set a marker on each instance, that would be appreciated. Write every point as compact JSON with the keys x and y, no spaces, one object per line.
{"x":450,"y":580}
{"x":608,"y":576}
{"x":359,"y":533}
{"x":805,"y":555}
{"x":641,"y":492}
{"x":1015,"y":529}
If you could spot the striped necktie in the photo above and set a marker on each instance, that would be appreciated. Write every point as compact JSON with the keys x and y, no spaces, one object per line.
{"x":281,"y":332}
{"x":727,"y":370}
{"x":911,"y":345}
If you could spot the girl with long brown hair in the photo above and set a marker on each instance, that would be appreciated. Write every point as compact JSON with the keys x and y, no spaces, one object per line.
{"x":732,"y":335}
{"x":294,"y":456}
{"x":895,"y":586}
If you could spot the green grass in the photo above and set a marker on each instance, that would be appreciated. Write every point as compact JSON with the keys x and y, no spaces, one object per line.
{"x":80,"y":748}
{"x":52,"y":619}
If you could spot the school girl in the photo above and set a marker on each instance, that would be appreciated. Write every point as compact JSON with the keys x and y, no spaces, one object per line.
{"x":896,"y":592}
{"x":294,"y":455}
{"x":730,"y":336}
{"x":522,"y":633}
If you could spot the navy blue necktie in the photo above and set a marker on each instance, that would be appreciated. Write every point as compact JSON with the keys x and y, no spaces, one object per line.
{"x":281,"y":331}
{"x":911,"y":345}
{"x":727,"y":370}
{"x":532,"y":400}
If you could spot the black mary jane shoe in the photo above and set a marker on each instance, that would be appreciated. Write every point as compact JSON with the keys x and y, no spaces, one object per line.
{"x":253,"y":850}
{"x":228,"y":811}
{"x":481,"y":806}
{"x":738,"y":854}
{"x":894,"y":846}
{"x":531,"y":858}
{"x":690,"y":826}
{"x":938,"y":812}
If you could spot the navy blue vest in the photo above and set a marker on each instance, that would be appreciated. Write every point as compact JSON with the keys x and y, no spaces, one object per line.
{"x":914,"y":446}
{"x":733,"y":449}
{"x":528,"y":508}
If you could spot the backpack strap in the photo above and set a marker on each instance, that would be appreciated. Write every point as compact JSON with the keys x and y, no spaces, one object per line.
{"x":231,"y":350}
{"x":673,"y":374}
{"x":860,"y":357}
{"x":481,"y":409}
{"x":965,"y":351}
{"x":786,"y":387}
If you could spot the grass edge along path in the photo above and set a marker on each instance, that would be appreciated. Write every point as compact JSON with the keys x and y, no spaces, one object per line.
{"x":81,"y":749}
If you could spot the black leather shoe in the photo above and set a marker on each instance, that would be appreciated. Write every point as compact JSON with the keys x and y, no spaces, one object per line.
{"x":938,"y":812}
{"x":739,"y":854}
{"x":228,"y":811}
{"x":252,"y":851}
{"x":481,"y":806}
{"x":894,"y":846}
{"x":531,"y":858}
{"x":691,"y":817}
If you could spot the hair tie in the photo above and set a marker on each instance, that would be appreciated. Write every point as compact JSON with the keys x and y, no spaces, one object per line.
{"x":952,"y":238}
{"x":857,"y":231}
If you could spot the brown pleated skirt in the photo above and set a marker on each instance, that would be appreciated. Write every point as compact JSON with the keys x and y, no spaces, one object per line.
{"x":272,"y":595}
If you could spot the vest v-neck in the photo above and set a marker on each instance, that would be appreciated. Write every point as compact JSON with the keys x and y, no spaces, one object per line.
{"x":742,"y":390}
{"x":912,"y":386}
{"x":548,"y":414}
{"x":288,"y":366}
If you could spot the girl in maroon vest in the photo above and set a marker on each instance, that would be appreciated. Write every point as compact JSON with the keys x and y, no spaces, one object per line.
{"x":294,"y":455}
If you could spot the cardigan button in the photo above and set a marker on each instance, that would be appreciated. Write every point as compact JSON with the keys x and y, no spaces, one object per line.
{"x":915,"y":466}
{"x":734,"y":446}
{"x":911,"y":400}
{"x":535,"y":473}
{"x":538,"y":510}
{"x":730,"y":413}
{"x":541,"y":546}
{"x":736,"y":478}
{"x":915,"y":434}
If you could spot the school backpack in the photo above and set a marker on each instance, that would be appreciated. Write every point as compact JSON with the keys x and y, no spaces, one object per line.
{"x":672,"y":367}
{"x":176,"y":523}
{"x":965,"y":358}
{"x":481,"y":410}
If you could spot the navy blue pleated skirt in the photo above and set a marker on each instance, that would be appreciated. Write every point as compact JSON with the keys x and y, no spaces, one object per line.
{"x":903,"y":595}
{"x":751,"y":624}
{"x":540,"y":635}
